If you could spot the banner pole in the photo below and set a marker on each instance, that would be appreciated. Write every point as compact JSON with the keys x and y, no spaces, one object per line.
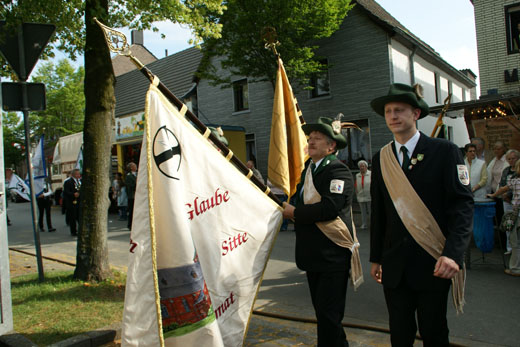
{"x":124,"y":49}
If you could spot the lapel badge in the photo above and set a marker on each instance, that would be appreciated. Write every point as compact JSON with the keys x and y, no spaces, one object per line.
{"x":420,"y":156}
{"x":414,"y":161}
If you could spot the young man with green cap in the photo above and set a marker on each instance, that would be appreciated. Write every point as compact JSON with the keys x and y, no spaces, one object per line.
{"x":324,"y":195}
{"x":422,"y":219}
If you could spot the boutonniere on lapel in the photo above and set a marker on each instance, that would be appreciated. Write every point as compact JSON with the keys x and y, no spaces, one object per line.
{"x":414,"y":161}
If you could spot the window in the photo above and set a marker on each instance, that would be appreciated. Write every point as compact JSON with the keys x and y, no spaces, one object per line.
{"x":320,"y":81}
{"x":358,"y":144}
{"x":250,"y":147}
{"x":437,"y":87}
{"x":241,"y":95}
{"x":513,"y":28}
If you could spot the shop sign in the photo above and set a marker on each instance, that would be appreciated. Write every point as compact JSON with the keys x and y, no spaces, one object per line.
{"x":130,"y":126}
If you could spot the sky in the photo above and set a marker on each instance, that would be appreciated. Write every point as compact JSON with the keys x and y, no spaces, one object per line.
{"x":446,"y":25}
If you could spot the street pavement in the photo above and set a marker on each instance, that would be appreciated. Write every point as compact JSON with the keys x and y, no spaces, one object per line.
{"x":492,"y":298}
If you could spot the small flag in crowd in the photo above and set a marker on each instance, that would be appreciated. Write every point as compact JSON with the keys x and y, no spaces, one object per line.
{"x":39,"y":169}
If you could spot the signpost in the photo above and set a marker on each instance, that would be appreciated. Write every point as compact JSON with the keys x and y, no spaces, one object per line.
{"x":21,"y":46}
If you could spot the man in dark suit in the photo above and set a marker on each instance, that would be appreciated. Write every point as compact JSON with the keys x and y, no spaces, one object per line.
{"x":413,"y":280}
{"x":71,"y":190}
{"x":327,"y":264}
{"x":130,"y":183}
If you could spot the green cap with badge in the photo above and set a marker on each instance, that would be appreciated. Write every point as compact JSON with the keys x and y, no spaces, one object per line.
{"x":399,"y":92}
{"x":219,"y":134}
{"x":329,"y":127}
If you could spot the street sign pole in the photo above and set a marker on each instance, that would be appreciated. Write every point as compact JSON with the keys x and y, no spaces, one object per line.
{"x":21,"y":49}
{"x":25,"y":111}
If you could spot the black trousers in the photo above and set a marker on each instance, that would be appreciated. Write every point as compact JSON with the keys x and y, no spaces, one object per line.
{"x":328,"y":294}
{"x":430,"y":304}
{"x":130,"y":213}
{"x":73,"y":217}
{"x":44,"y":206}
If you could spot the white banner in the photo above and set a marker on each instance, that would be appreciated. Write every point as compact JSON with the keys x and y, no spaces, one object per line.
{"x":39,"y":169}
{"x":18,"y":186}
{"x":205,"y":228}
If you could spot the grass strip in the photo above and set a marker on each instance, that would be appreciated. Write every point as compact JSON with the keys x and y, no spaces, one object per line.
{"x":62,"y":307}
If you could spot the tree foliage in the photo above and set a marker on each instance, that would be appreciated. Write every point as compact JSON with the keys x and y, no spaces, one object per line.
{"x":77,"y":32}
{"x":68,"y":16}
{"x":65,"y":110}
{"x":13,"y":134}
{"x":297,"y":25}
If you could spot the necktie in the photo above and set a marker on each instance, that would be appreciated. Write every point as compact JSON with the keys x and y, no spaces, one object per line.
{"x":313,"y":167}
{"x":406,"y":159}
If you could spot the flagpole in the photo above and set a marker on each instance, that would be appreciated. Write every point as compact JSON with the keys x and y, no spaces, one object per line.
{"x":271,"y":43}
{"x":438,"y":123}
{"x":226,"y":152}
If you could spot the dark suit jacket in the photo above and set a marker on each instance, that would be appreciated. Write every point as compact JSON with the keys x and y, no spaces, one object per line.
{"x":314,"y":251}
{"x":130,"y":183}
{"x":436,"y":181}
{"x":68,"y":192}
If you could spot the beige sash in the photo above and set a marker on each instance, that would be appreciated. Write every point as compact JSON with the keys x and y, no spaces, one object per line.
{"x":336,"y":231}
{"x":416,"y":217}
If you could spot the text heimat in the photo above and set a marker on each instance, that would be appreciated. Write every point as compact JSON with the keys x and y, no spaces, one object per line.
{"x":200,"y":206}
{"x":233,"y":242}
{"x":225,"y":305}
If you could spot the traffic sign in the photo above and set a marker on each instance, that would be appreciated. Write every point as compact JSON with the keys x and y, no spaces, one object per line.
{"x":12,"y":96}
{"x":32,"y":36}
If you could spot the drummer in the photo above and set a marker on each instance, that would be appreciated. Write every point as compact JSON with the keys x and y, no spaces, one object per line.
{"x":513,"y":185}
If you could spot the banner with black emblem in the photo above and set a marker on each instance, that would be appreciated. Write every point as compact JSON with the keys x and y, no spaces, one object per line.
{"x":201,"y":237}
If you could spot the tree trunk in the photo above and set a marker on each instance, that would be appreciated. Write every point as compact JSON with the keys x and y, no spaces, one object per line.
{"x":92,"y":252}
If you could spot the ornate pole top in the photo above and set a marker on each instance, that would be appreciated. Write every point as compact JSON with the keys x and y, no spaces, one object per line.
{"x":117,"y":43}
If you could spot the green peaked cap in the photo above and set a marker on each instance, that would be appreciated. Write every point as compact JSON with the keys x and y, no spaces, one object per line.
{"x":219,"y":135}
{"x":325,"y":126}
{"x":399,"y":92}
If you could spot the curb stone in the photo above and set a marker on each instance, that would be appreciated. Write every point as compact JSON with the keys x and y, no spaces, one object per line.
{"x":94,"y":338}
{"x":14,"y":339}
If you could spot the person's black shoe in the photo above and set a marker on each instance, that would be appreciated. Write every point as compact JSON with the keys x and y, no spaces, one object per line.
{"x":42,"y":230}
{"x":52,"y":229}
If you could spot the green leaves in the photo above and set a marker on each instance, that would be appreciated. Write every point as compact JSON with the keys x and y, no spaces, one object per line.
{"x":298,"y":25}
{"x":65,"y":100}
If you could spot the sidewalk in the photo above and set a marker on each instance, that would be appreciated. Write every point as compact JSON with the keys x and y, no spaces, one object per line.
{"x":263,"y":331}
{"x":490,"y":317}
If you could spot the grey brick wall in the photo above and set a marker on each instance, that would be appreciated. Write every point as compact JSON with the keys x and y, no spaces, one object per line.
{"x":492,"y":46}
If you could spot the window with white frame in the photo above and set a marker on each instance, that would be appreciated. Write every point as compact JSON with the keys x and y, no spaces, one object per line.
{"x":240,"y":95}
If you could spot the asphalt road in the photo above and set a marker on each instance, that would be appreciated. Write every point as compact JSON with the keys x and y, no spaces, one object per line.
{"x":492,"y":298}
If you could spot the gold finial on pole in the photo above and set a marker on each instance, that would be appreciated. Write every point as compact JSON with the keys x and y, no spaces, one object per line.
{"x":269,"y":36}
{"x":117,"y":43}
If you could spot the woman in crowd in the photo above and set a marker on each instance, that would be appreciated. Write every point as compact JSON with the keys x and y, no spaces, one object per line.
{"x":362,"y":186}
{"x":513,"y":185}
{"x":494,"y":169}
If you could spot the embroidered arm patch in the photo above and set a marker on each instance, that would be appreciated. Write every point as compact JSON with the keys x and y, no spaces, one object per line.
{"x":463,"y":174}
{"x":336,"y":186}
